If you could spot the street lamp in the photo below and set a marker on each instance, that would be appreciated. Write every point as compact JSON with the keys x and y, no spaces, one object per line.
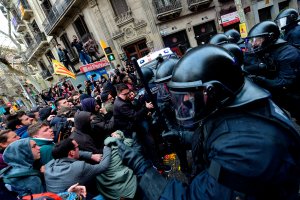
{"x":24,"y":90}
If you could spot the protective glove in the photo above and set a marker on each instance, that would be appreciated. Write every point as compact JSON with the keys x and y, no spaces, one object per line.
{"x":133,"y":159}
{"x":183,"y":137}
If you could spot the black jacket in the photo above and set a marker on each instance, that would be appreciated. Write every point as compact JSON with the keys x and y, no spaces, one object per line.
{"x":126,"y":116}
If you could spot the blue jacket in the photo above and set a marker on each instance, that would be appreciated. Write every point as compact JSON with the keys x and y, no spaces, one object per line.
{"x":22,"y":132}
{"x":19,"y":156}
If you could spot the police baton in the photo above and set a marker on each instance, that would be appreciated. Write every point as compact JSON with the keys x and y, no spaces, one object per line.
{"x":147,"y":89}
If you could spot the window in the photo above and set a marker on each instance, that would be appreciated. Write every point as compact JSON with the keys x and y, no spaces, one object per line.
{"x":28,"y":40}
{"x":49,"y":55}
{"x":80,"y":26}
{"x":119,"y":6}
{"x":164,"y":3}
{"x":204,"y":32}
{"x":283,"y":5}
{"x":45,"y":71}
{"x":34,"y":28}
{"x":265,"y":14}
{"x":65,"y":40}
{"x":46,"y":6}
{"x":42,"y":65}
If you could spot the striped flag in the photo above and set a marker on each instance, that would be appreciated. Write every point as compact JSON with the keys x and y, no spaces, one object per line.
{"x":59,"y":68}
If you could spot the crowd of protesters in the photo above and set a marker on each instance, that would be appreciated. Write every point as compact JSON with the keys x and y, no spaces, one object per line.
{"x":70,"y":139}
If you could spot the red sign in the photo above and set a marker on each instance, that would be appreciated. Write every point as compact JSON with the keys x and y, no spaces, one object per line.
{"x":230,"y":18}
{"x":94,"y":66}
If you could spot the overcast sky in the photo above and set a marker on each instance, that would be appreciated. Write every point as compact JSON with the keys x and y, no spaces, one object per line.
{"x":4,"y":41}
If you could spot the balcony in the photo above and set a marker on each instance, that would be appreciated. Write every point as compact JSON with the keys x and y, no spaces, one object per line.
{"x":19,"y":25}
{"x":46,"y":75}
{"x":25,"y":10}
{"x":60,"y":13}
{"x":124,"y":18}
{"x":196,"y":5}
{"x":167,"y":9}
{"x":38,"y":47}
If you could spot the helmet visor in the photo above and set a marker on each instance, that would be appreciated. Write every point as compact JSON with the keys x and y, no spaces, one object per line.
{"x":281,"y":22}
{"x":185,"y":108}
{"x":163,"y":93}
{"x":254,"y":44}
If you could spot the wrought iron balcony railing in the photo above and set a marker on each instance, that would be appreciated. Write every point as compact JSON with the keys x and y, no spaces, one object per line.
{"x":166,"y":9}
{"x":195,"y":5}
{"x":124,"y":18}
{"x":25,"y":10}
{"x":38,"y":39}
{"x":46,"y":74}
{"x":18,"y":24}
{"x":57,"y":10}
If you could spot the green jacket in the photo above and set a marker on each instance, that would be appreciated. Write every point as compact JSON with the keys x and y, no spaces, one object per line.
{"x":118,"y":180}
{"x":46,"y":146}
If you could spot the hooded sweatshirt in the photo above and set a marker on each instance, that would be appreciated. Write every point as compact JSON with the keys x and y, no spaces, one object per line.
{"x":89,"y":105}
{"x":83,"y":132}
{"x":19,"y":156}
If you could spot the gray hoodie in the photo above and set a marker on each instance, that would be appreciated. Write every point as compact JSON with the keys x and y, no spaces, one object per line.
{"x":60,"y":174}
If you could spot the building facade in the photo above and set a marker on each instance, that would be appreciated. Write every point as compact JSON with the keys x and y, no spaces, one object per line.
{"x":132,"y":28}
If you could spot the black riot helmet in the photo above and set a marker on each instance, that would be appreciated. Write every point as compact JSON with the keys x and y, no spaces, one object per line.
{"x":163,"y":75}
{"x":148,"y":74}
{"x":219,"y":39}
{"x":165,"y":69}
{"x":236,"y":52}
{"x":234,"y":36}
{"x":206,"y":79}
{"x":261,"y":36}
{"x":286,"y":18}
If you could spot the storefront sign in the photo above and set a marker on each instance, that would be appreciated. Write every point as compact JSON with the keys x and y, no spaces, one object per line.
{"x":94,"y":66}
{"x":230,"y":18}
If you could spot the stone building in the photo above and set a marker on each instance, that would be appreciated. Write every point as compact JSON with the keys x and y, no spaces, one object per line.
{"x":132,"y":28}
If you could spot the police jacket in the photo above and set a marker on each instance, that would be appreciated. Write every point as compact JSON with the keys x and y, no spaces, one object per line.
{"x":249,"y":150}
{"x":292,"y":35}
{"x":283,"y":63}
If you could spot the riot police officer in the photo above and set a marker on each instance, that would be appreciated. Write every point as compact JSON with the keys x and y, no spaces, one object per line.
{"x":234,"y":36}
{"x":248,"y":146}
{"x":281,"y":75}
{"x":287,"y":21}
{"x":218,"y":39}
{"x":163,"y":76}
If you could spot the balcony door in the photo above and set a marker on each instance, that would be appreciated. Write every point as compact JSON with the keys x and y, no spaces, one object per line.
{"x":137,"y":50}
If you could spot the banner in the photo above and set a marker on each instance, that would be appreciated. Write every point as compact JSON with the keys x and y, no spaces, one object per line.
{"x":60,"y":69}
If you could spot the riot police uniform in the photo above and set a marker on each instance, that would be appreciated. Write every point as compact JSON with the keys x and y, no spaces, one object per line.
{"x":248,"y":146}
{"x":281,"y":75}
{"x":287,"y":21}
{"x":163,"y":76}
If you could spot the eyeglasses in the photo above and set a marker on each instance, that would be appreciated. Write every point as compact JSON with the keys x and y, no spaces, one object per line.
{"x":34,"y":146}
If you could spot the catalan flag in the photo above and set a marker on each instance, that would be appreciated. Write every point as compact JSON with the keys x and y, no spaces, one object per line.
{"x":59,"y":68}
